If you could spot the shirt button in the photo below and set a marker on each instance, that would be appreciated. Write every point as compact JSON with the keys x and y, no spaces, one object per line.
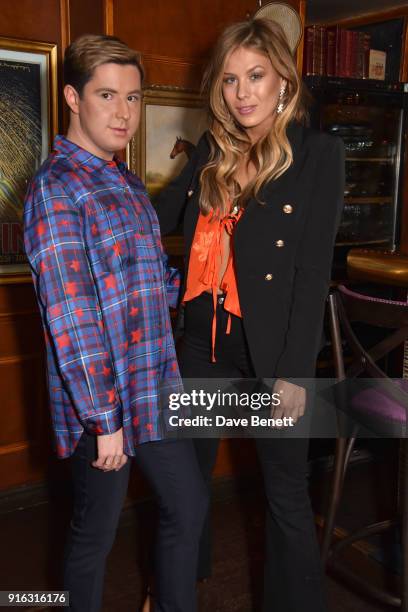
{"x":190,"y":193}
{"x":268,"y":277}
{"x":280,"y":243}
{"x":287,"y":209}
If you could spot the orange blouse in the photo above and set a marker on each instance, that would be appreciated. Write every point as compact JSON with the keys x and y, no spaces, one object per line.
{"x":204,"y":266}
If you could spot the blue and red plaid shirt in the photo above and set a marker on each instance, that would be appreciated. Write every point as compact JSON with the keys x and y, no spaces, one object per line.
{"x":104,"y":289}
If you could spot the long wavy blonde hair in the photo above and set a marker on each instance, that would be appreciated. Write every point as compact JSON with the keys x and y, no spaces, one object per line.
{"x":272,"y":154}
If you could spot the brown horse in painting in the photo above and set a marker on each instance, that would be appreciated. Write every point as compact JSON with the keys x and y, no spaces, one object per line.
{"x":182,"y":146}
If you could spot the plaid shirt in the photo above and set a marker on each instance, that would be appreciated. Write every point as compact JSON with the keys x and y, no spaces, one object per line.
{"x":93,"y":242}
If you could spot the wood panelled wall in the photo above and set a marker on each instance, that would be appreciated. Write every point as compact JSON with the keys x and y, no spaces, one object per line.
{"x":25,"y":438}
{"x":175,"y":37}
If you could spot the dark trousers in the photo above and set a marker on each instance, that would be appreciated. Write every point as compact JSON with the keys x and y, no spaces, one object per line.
{"x":172,"y":470}
{"x":293,"y":578}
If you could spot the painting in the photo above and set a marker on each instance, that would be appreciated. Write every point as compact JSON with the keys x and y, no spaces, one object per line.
{"x":28,"y":123}
{"x":171,"y":124}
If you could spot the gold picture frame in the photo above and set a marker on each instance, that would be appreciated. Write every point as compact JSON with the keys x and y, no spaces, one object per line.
{"x":28,"y":124}
{"x":172,"y":119}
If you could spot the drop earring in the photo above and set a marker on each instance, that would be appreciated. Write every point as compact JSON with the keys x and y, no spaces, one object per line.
{"x":280,"y":106}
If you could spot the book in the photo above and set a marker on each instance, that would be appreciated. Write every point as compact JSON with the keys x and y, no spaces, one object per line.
{"x":332,"y":50}
{"x":315,"y":52}
{"x":335,"y":51}
{"x":366,"y":47}
{"x":376,"y":69}
{"x":344,"y":64}
{"x":321,"y":50}
{"x":362,"y":52}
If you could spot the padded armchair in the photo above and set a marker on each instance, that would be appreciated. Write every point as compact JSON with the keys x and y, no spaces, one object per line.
{"x":382,"y":409}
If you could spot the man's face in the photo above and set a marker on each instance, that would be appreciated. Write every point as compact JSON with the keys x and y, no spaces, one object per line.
{"x":107,"y":114}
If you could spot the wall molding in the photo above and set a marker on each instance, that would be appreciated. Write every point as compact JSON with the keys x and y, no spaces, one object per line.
{"x":21,"y":358}
{"x":108,"y":26}
{"x":174,"y":61}
{"x":65,"y":25}
{"x":16,"y":447}
{"x":375,"y":17}
{"x":19,"y":313}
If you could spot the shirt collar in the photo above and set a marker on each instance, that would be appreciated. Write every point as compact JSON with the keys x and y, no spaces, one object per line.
{"x":80,"y":157}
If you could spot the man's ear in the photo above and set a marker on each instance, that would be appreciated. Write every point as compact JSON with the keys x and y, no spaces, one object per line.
{"x":72,"y":98}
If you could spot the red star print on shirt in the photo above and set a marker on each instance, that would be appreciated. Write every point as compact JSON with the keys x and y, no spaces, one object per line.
{"x":56,"y":311}
{"x":136,"y":335}
{"x":75,"y":265}
{"x":110,"y":282}
{"x":117,"y":249}
{"x":134,"y":311}
{"x":111,"y":396}
{"x":41,"y":228}
{"x":94,"y":229}
{"x":106,"y":371}
{"x":71,"y":288}
{"x":63,"y":341}
{"x":92,"y":370}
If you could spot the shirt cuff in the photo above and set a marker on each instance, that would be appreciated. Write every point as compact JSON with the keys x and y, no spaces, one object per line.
{"x":103,"y":423}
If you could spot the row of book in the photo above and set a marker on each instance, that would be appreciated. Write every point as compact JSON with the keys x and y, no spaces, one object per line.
{"x":335,"y":51}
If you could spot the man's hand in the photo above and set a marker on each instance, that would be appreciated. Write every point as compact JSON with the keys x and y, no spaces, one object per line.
{"x":292,"y":400}
{"x":110,"y":452}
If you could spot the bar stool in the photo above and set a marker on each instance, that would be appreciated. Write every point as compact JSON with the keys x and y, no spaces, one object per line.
{"x":383,"y":409}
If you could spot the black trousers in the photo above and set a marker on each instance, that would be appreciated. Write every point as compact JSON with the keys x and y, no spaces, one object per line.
{"x":172,"y":470}
{"x":293,"y":578}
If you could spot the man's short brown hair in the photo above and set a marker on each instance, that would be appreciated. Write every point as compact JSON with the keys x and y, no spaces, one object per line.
{"x":89,"y":51}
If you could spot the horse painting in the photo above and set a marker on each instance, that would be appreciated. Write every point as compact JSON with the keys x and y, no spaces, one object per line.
{"x":182,"y":146}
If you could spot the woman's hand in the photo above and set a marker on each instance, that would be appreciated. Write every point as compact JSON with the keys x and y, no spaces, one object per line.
{"x":292,"y":400}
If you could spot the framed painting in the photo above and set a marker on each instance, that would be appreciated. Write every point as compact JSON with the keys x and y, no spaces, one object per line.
{"x":171,"y":124}
{"x":28,"y":123}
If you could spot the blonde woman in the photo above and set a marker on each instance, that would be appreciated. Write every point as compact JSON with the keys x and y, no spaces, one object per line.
{"x":260,"y":201}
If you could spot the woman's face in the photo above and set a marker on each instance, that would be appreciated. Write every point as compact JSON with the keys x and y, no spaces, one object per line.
{"x":251,"y":88}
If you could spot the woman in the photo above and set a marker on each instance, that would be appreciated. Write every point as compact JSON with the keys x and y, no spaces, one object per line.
{"x":260,"y":201}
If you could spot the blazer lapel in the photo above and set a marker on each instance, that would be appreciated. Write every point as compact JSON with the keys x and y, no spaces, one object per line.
{"x":295,"y":136}
{"x":273,"y":190}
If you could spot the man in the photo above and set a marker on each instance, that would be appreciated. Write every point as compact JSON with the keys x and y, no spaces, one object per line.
{"x":93,"y":243}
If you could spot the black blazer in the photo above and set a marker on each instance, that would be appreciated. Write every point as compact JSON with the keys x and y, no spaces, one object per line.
{"x":283,"y":249}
